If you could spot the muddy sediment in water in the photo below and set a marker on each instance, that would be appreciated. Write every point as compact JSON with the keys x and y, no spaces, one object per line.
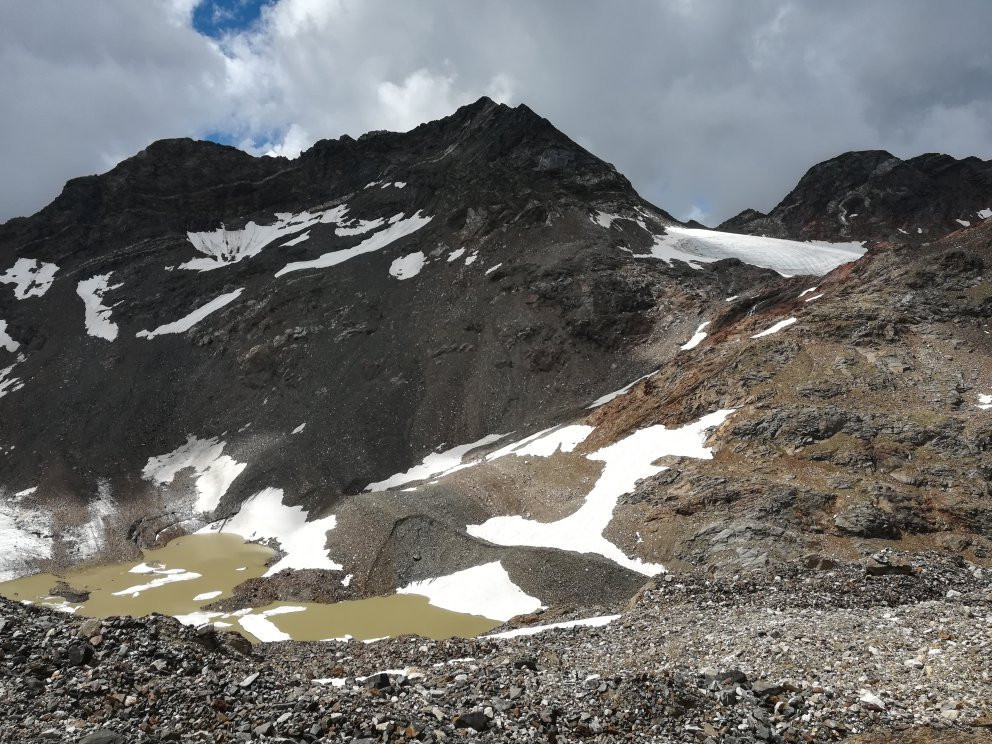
{"x":192,"y":576}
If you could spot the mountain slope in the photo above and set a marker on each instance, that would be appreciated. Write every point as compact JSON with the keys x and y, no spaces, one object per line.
{"x":197,"y":325}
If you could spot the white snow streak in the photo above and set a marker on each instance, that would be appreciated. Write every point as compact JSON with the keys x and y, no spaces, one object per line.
{"x":963,"y":223}
{"x":264,"y":629}
{"x":398,"y":228}
{"x":30,"y":277}
{"x":436,"y":463}
{"x":775,"y":328}
{"x":264,"y":516}
{"x":984,"y":401}
{"x":483,"y":590}
{"x":97,"y":315}
{"x":696,"y":339}
{"x":491,"y":269}
{"x":456,"y":254}
{"x":626,"y":462}
{"x":185,"y":323}
{"x":617,"y":393}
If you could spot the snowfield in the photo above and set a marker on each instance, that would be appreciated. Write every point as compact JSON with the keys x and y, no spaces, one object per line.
{"x":25,"y":536}
{"x":97,"y":317}
{"x":6,"y":342}
{"x":30,"y":277}
{"x":407,"y":267}
{"x":626,"y":462}
{"x":265,"y":517}
{"x":787,"y":257}
{"x":482,"y":590}
{"x":223,"y":247}
{"x":213,"y":470}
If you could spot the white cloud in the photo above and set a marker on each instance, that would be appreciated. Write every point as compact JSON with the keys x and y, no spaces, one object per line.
{"x":728,"y":100}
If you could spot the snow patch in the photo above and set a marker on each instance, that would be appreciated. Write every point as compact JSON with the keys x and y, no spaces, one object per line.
{"x":775,"y":328}
{"x":626,"y":462}
{"x":89,"y":537}
{"x":407,"y":267}
{"x":472,"y":259}
{"x":207,"y":595}
{"x":6,"y":342}
{"x":984,"y":401}
{"x":214,"y":471}
{"x":814,"y":297}
{"x":963,"y":223}
{"x":185,"y":323}
{"x":483,"y":590}
{"x":265,"y":517}
{"x":589,"y":622}
{"x":300,"y":428}
{"x":456,"y":254}
{"x":223,"y":247}
{"x":985,"y":213}
{"x":604,"y":219}
{"x":25,"y":537}
{"x":97,"y":315}
{"x":264,"y":629}
{"x":30,"y":277}
{"x":491,"y":269}
{"x":696,"y":339}
{"x":807,"y":291}
{"x":398,"y":228}
{"x":787,"y":257}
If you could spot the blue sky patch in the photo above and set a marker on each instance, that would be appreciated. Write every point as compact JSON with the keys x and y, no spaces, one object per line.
{"x":215,"y":18}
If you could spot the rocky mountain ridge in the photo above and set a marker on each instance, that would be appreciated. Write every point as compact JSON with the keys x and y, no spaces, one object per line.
{"x":873,"y":195}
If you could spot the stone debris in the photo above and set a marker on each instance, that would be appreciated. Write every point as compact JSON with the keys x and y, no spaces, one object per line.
{"x":793,"y":655}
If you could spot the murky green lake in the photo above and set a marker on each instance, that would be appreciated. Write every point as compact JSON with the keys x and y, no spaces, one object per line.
{"x":192,"y":572}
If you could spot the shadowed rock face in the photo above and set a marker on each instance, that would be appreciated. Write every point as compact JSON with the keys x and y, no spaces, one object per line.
{"x":873,"y":195}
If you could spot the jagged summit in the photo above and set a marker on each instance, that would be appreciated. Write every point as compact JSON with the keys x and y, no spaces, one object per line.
{"x":874,"y":195}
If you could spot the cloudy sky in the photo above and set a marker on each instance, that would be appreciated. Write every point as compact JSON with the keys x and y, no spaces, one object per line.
{"x":708,"y":106}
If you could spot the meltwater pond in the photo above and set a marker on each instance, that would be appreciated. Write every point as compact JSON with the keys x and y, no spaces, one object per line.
{"x":192,"y":572}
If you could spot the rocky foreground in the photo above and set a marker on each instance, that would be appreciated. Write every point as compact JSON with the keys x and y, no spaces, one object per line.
{"x":882,"y":650}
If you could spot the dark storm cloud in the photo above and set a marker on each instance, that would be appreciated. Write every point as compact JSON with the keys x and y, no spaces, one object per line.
{"x":708,"y":107}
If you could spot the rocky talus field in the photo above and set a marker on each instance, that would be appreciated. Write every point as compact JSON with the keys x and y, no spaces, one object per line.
{"x":887,"y":650}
